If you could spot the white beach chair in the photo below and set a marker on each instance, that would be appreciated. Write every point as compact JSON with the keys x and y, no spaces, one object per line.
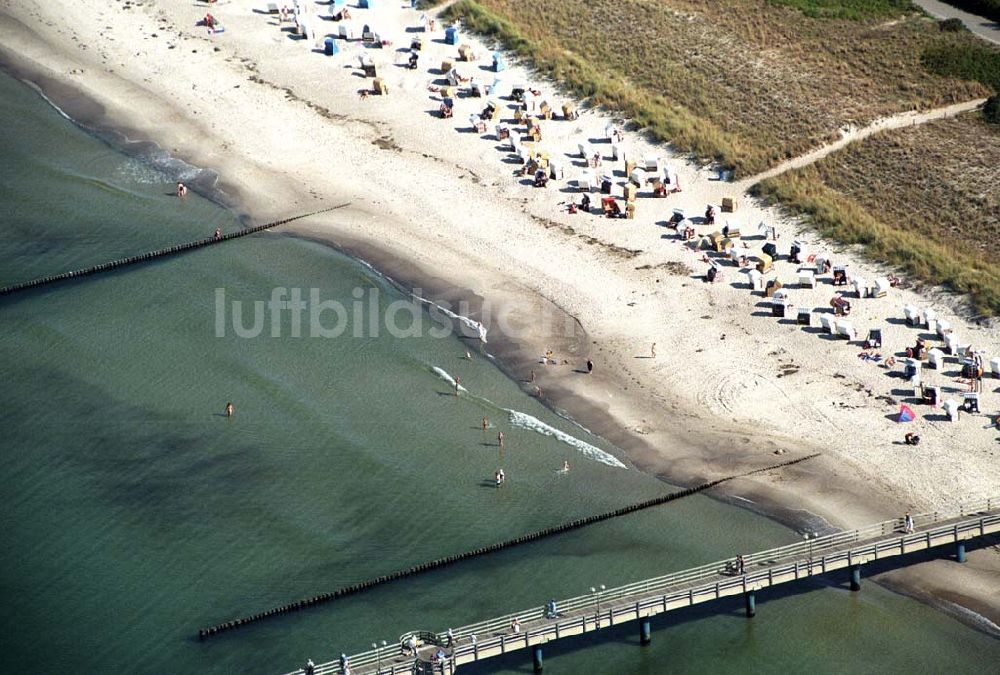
{"x":943,"y":327}
{"x":585,"y":151}
{"x":556,"y":170}
{"x":861,"y":287}
{"x":756,"y":280}
{"x":638,"y":176}
{"x":586,"y":181}
{"x":846,"y":329}
{"x":651,"y":163}
{"x":529,"y":102}
{"x":995,"y":367}
{"x":807,"y":277}
{"x":882,"y":287}
{"x":951,"y":408}
{"x":828,"y":323}
{"x":951,"y":343}
{"x":515,"y":143}
{"x":935,"y":358}
{"x":912,"y":315}
{"x":928,"y":316}
{"x":617,"y":151}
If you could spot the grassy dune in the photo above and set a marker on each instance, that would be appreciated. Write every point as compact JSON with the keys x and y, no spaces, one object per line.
{"x":926,"y":200}
{"x":748,"y":83}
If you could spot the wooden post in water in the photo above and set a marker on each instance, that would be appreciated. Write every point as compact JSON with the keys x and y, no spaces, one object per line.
{"x":645,"y":636}
{"x":960,"y":553}
{"x":855,"y":577}
{"x":536,"y":658}
{"x":751,"y":601}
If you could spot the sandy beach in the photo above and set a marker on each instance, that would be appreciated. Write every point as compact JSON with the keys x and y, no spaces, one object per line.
{"x":438,"y":207}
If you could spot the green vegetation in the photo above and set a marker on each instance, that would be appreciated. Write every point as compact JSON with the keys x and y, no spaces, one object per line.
{"x":926,"y":200}
{"x":735,"y":82}
{"x":969,"y":61}
{"x":991,"y":111}
{"x":952,"y":26}
{"x":847,"y":9}
{"x":988,"y":8}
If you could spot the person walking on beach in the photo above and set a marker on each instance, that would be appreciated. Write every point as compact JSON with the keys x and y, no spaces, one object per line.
{"x":500,"y":439}
{"x":230,"y":409}
{"x":590,"y":366}
{"x":531,"y":378}
{"x":652,"y":351}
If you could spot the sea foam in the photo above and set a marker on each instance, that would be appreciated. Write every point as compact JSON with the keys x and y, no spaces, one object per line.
{"x":447,"y":378}
{"x":525,"y":421}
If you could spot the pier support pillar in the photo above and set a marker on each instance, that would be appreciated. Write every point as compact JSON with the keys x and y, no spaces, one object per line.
{"x":751,"y":599}
{"x":644,"y":633}
{"x":855,"y":577}
{"x":536,"y":658}
{"x":960,"y":552}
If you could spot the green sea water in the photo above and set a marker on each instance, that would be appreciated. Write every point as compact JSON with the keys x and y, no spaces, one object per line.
{"x":132,"y":513}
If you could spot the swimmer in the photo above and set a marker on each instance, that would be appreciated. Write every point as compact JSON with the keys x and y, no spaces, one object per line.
{"x":565,"y":465}
{"x":230,"y":409}
{"x":182,"y":190}
{"x":468,"y":355}
{"x":486,"y":423}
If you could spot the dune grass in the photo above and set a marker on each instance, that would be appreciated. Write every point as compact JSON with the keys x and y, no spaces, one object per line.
{"x":926,"y":200}
{"x":733,"y":82}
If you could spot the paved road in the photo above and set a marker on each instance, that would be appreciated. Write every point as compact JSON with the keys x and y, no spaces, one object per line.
{"x":984,"y":28}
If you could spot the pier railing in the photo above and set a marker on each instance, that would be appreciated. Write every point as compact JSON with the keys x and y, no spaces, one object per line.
{"x":829,"y":550}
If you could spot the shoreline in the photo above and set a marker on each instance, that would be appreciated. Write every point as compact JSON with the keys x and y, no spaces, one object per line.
{"x":697,"y":451}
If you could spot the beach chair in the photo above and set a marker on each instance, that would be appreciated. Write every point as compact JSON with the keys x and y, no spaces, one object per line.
{"x":447,"y":107}
{"x":765,"y":263}
{"x":569,"y":111}
{"x":631,"y":191}
{"x":970,"y":402}
{"x":771,"y":250}
{"x":804,"y":316}
{"x":617,"y":151}
{"x":930,"y":395}
{"x":586,"y":181}
{"x":369,"y":69}
{"x":860,"y":287}
{"x":609,"y":205}
{"x":935,"y":358}
{"x":841,"y":306}
{"x":882,"y":287}
{"x":451,"y":36}
{"x":272,"y":8}
{"x":779,"y":308}
{"x":951,"y":343}
{"x":417,"y":44}
{"x":465,"y":53}
{"x":798,"y":252}
{"x":995,"y":367}
{"x":928,"y":317}
{"x":828,"y":323}
{"x":912,"y":315}
{"x":846,"y":329}
{"x":840,"y":275}
{"x":630,"y":210}
{"x":728,"y":204}
{"x":731,"y":229}
{"x":874,"y":339}
{"x":951,"y":408}
{"x":583,"y":150}
{"x":556,"y":170}
{"x":772,"y":287}
{"x":943,"y":327}
{"x":367,"y":34}
{"x":756,"y":280}
{"x":365,"y":4}
{"x":807,"y":277}
{"x":637,"y":176}
{"x":651,"y":163}
{"x":447,"y":65}
{"x":380,"y":88}
{"x":498,"y":62}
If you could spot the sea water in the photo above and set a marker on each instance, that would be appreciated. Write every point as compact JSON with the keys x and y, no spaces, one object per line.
{"x":135,"y":513}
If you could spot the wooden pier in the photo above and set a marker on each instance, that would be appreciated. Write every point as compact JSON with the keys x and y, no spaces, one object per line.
{"x":640,"y":601}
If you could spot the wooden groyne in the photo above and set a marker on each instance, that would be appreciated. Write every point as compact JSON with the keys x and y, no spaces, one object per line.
{"x":492,"y":548}
{"x":155,"y":255}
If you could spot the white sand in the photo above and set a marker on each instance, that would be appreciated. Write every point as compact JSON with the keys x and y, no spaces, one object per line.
{"x":287,"y":131}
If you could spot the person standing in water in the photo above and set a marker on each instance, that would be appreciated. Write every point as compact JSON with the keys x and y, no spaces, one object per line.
{"x":182,"y":190}
{"x":500,"y":438}
{"x":230,"y":409}
{"x":565,"y":465}
{"x":458,"y":384}
{"x":486,"y":423}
